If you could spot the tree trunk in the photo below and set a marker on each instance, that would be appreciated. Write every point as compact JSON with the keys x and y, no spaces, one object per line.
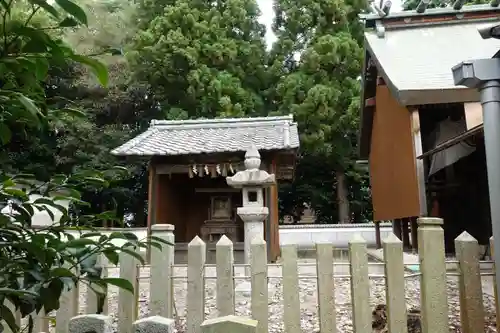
{"x":342,"y":198}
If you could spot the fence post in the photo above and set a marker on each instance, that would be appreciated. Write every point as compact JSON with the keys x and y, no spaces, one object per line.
{"x":326,"y":289}
{"x":291,"y":302}
{"x":434,"y":300}
{"x":229,"y":324}
{"x":471,"y":292}
{"x":154,"y":324}
{"x":395,"y":284}
{"x":225,"y":276}
{"x":16,"y":314}
{"x":161,"y":296}
{"x":492,"y":251}
{"x":96,"y":323}
{"x":92,"y":296}
{"x":259,"y":297}
{"x":127,"y":301}
{"x":68,"y":308}
{"x":360,"y":284}
{"x":40,"y":322}
{"x":196,"y":285}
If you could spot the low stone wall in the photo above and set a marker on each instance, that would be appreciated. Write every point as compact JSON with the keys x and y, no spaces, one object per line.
{"x":306,"y":236}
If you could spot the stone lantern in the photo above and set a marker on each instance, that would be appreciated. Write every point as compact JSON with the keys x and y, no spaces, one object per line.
{"x":252,"y":181}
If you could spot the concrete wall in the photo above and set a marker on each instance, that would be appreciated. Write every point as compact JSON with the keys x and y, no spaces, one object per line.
{"x":40,"y":218}
{"x":306,"y":236}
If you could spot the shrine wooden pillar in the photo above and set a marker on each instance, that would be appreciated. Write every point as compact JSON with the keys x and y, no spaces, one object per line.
{"x":414,"y":235}
{"x":378,"y":239}
{"x":152,"y":202}
{"x":396,"y":228}
{"x":274,"y":236}
{"x":405,"y":230}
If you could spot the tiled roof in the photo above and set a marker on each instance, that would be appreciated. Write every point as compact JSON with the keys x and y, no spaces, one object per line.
{"x":417,"y":61}
{"x":414,"y":53}
{"x":204,"y":136}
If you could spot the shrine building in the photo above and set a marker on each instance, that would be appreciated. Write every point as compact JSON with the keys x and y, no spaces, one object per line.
{"x":189,"y":161}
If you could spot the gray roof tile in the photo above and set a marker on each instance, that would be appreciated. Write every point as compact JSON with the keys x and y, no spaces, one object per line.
{"x":418,"y":60}
{"x":212,"y":136}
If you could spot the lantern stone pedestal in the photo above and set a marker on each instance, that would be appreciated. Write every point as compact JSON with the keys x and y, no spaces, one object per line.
{"x":252,"y":181}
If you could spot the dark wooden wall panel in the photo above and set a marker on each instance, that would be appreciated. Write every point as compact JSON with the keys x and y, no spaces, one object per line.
{"x":393,"y":173}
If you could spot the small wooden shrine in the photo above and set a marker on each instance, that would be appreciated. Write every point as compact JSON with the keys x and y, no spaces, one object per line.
{"x":189,"y":163}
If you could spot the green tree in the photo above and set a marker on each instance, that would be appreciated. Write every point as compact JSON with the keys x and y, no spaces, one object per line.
{"x":112,"y":114}
{"x":202,"y":59}
{"x":36,"y":266}
{"x":412,"y":4}
{"x":317,"y":62}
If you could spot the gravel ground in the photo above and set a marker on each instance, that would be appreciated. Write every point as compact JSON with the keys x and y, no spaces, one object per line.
{"x":308,"y":297}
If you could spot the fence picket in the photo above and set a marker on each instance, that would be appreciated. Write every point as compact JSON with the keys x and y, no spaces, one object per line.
{"x":326,"y":290}
{"x":434,"y":300}
{"x":16,"y":314}
{"x":434,"y":306}
{"x":225,"y":276}
{"x":259,"y":301}
{"x":127,"y":301}
{"x":291,"y":289}
{"x":360,"y":284}
{"x":471,"y":292}
{"x":161,"y":296}
{"x":497,"y":308}
{"x":68,"y":308}
{"x":92,"y":296}
{"x":196,"y":285}
{"x":395,"y":284}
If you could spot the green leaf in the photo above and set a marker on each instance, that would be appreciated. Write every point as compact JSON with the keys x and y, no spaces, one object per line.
{"x":29,"y":105}
{"x":61,"y":272}
{"x":9,"y":318}
{"x":46,"y":6}
{"x":51,"y":203}
{"x":123,"y":235}
{"x":73,"y":9}
{"x":120,"y":283}
{"x":74,"y":112}
{"x":79,"y":242}
{"x":15,"y":192}
{"x":68,"y":22}
{"x":91,"y":234}
{"x":98,"y":68}
{"x":42,"y":67}
{"x":5,"y":134}
{"x":51,"y":294}
{"x":133,"y":254}
{"x":160,"y":240}
{"x":112,"y":256}
{"x":19,"y":293}
{"x":156,"y":245}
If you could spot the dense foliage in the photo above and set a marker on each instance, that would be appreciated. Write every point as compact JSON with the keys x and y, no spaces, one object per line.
{"x":36,"y":266}
{"x":178,"y":59}
{"x":317,"y":63}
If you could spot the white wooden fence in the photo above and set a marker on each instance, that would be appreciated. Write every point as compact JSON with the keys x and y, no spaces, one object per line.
{"x":433,"y":303}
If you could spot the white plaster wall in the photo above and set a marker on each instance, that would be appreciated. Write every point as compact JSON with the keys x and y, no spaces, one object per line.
{"x":41,"y":217}
{"x":339,"y":236}
{"x":303,"y":236}
{"x":141,"y":234}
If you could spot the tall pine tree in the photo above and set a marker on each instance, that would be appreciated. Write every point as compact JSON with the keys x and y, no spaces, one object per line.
{"x":203,"y":58}
{"x":317,"y":62}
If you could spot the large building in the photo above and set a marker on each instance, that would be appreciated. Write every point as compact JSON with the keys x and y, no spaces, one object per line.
{"x":421,"y":135}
